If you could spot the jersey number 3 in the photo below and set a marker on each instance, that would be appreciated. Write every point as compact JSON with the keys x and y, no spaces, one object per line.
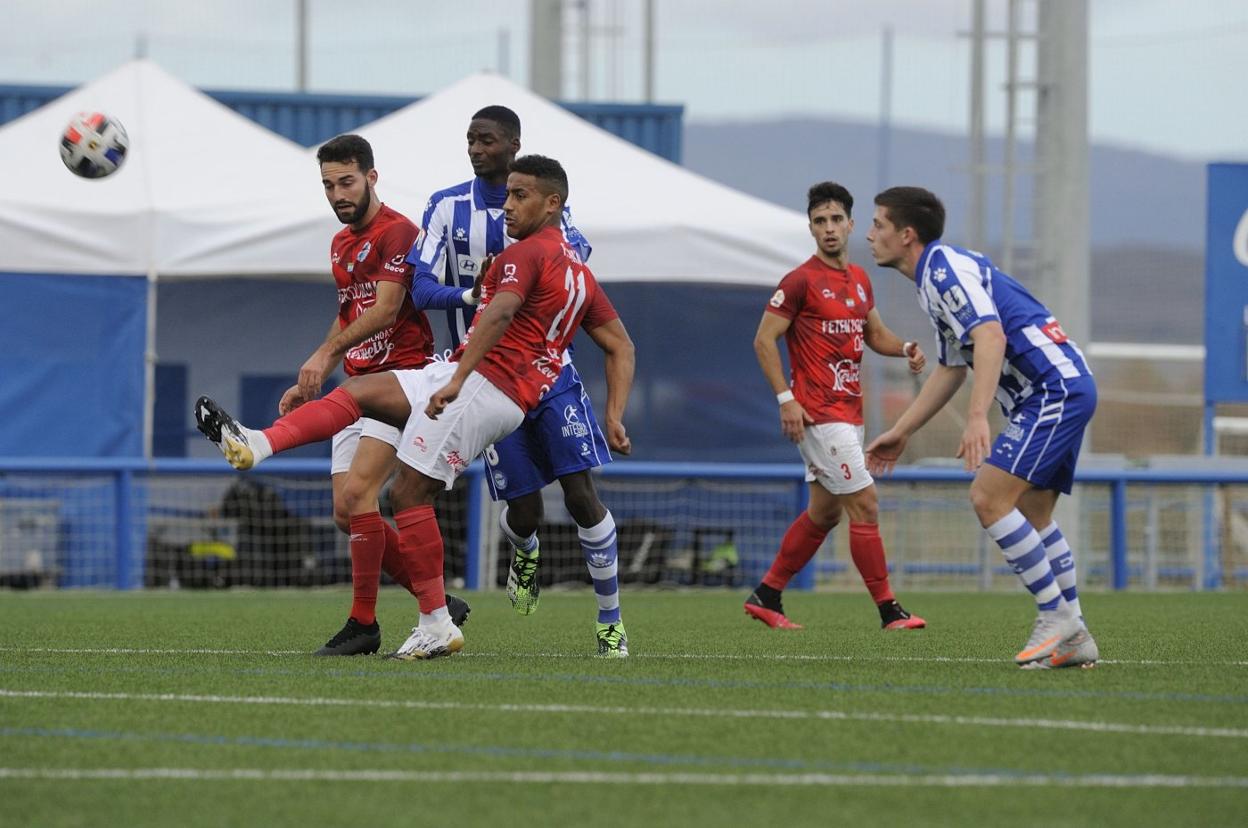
{"x":574,"y":284}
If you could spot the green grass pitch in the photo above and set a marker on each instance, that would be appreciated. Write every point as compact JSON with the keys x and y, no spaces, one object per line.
{"x":196,"y":709}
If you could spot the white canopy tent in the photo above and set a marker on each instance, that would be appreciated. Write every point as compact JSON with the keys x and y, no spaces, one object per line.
{"x":648,"y":219}
{"x":203,"y":191}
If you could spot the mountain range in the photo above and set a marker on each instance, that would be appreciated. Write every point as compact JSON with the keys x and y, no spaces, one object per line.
{"x":1147,"y":210}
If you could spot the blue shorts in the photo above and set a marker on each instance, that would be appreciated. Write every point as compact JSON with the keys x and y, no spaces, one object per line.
{"x":1041,"y":442}
{"x":559,"y":437}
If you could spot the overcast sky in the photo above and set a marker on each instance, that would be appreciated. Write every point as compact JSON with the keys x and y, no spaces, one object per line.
{"x":1165,"y":76}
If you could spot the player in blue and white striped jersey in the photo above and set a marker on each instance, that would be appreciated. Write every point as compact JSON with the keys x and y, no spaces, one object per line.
{"x":987,"y":321}
{"x":560,"y":439}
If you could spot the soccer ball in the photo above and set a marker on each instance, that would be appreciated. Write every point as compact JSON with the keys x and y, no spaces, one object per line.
{"x":94,"y":145}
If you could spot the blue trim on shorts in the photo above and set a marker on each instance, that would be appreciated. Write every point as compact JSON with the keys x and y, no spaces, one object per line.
{"x":1041,"y":441}
{"x":559,"y":437}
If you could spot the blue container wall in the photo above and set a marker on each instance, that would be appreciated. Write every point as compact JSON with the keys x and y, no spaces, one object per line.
{"x":309,"y":118}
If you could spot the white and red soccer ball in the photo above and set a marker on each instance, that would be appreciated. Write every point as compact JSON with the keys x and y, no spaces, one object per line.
{"x":94,"y":145}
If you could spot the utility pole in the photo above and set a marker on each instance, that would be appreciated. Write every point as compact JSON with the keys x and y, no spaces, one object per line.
{"x":975,"y":229}
{"x":647,"y":53}
{"x":546,"y":47}
{"x":301,"y":45}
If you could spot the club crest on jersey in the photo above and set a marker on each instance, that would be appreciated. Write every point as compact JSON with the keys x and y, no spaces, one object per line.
{"x":862,"y":293}
{"x":364,"y":251}
{"x":777,"y":299}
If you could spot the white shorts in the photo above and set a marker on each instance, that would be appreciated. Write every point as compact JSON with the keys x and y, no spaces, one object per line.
{"x":347,"y":440}
{"x":833,"y":455}
{"x":444,"y":447}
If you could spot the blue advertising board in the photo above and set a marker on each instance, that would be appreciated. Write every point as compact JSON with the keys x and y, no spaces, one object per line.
{"x":1226,"y":285}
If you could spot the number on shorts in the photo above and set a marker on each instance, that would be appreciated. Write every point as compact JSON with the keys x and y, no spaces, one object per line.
{"x":491,"y":455}
{"x":845,"y":470}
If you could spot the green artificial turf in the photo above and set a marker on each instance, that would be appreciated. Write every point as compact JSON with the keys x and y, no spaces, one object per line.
{"x":106,"y":698}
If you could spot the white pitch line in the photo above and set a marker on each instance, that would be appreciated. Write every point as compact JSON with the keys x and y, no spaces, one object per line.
{"x":591,"y":656}
{"x":671,"y":712}
{"x":601,"y":778}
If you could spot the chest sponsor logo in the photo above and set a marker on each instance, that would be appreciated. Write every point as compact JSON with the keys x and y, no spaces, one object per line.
{"x":845,"y":377}
{"x":467,"y":264}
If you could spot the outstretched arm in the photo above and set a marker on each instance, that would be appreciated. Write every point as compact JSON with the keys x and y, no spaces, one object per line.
{"x":620,"y":362}
{"x":314,"y":371}
{"x":884,"y":451}
{"x":487,"y":330}
{"x":882,"y":340}
{"x":793,"y":418}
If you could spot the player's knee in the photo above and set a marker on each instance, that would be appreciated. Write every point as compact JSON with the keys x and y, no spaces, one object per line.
{"x":986,"y":503}
{"x":411,"y":489}
{"x":827,"y":517}
{"x":342,"y":516}
{"x":357,"y":499}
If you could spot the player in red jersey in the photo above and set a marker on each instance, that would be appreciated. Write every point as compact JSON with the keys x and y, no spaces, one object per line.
{"x":536,"y":294}
{"x":377,"y":328}
{"x":826,"y":312}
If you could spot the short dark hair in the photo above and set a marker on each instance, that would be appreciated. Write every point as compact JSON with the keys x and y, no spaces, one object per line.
{"x":343,"y":149}
{"x":826,"y":191}
{"x":501,"y":115}
{"x":914,"y":207}
{"x":547,"y":171}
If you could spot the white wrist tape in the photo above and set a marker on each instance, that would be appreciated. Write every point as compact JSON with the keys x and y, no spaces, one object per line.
{"x":784,"y":397}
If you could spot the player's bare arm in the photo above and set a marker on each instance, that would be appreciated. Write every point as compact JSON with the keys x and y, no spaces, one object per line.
{"x":487,"y":329}
{"x":881,"y":339}
{"x":381,"y":315}
{"x":989,"y":341}
{"x":793,"y":418}
{"x":884,"y":451}
{"x":619,"y":364}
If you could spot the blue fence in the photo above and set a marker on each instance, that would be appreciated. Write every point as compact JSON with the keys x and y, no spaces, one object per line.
{"x":103,"y":509}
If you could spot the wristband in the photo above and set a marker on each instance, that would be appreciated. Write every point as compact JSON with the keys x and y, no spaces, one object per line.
{"x":469,"y":299}
{"x":784,"y":397}
{"x":905,"y":348}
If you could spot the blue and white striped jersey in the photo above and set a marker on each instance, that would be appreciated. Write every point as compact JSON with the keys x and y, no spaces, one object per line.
{"x":461,"y":229}
{"x":960,"y":289}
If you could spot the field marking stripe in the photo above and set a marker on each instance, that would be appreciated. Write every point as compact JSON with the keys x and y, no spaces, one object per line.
{"x":678,"y":656}
{"x":603,"y":778}
{"x":727,"y":713}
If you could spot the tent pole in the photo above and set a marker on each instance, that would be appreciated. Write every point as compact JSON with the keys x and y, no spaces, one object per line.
{"x":149,"y":368}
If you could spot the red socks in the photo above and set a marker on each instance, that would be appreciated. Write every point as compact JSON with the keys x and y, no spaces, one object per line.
{"x":867,"y":549}
{"x":420,"y":547}
{"x":392,"y":560}
{"x":314,"y":421}
{"x":800,"y":544}
{"x":368,"y":544}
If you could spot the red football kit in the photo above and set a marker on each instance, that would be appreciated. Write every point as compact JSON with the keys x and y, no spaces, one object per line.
{"x":560,"y":293}
{"x":828,"y":310}
{"x":361,"y":259}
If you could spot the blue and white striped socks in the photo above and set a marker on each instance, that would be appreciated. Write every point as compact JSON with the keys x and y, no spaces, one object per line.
{"x":601,"y":553}
{"x":1063,"y":564}
{"x":1023,"y":550}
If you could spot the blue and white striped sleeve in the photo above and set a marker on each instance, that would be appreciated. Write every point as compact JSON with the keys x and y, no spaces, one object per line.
{"x":574,"y":236}
{"x":428,"y":259}
{"x":961,"y":299}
